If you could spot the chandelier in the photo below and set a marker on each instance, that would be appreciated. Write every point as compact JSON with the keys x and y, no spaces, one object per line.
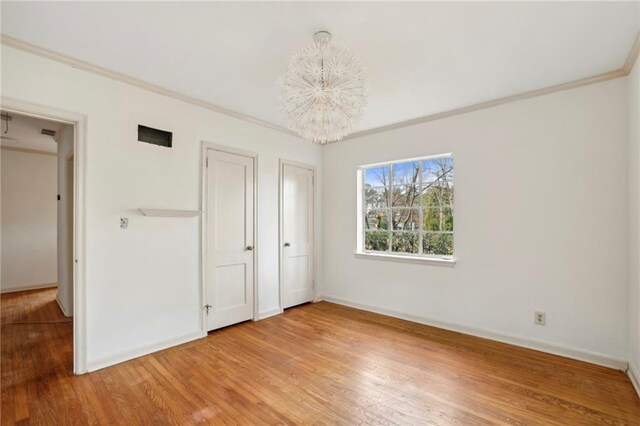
{"x":323,"y":91}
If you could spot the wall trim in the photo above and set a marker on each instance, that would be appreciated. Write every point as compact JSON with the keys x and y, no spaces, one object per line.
{"x":28,"y":150}
{"x":64,"y":311}
{"x":634,"y":376}
{"x":108,"y":361}
{"x":621,"y":72}
{"x":86,"y":66}
{"x":28,"y":288}
{"x":524,"y":342}
{"x":492,"y":103}
{"x":269,"y":313}
{"x":633,"y":56}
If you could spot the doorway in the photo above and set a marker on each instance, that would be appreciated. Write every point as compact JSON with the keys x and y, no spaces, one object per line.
{"x":297,"y":204}
{"x":37,"y":231}
{"x":65,"y":131}
{"x":229,"y":205}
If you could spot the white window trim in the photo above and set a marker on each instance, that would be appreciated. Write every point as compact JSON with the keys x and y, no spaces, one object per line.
{"x":423,"y":259}
{"x":390,"y":256}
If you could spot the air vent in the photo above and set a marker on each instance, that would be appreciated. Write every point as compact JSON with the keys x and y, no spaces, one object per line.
{"x":155,"y":136}
{"x":48,"y":132}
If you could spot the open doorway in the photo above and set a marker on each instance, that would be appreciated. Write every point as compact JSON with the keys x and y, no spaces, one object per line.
{"x":37,"y":194}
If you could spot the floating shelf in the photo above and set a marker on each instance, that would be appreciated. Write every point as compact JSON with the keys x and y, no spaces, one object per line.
{"x":170,"y":213}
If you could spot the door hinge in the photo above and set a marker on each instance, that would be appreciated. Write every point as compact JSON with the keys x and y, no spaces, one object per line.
{"x":207,"y":307}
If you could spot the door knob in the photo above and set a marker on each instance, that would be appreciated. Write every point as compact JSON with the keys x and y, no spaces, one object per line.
{"x":249,"y":248}
{"x":287,"y":244}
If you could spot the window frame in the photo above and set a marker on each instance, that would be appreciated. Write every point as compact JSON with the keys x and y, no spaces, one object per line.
{"x":420,"y":257}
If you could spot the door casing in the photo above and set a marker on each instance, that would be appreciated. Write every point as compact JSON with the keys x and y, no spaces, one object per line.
{"x":203,"y":227}
{"x":281,"y":241}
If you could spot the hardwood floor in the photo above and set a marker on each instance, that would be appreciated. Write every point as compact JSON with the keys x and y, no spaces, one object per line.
{"x":319,"y":363}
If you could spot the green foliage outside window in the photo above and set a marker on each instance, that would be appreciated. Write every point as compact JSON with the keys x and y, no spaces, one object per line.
{"x":405,"y":242}
{"x":438,"y":219}
{"x":437,"y":243}
{"x":376,"y":241}
{"x":413,"y":197}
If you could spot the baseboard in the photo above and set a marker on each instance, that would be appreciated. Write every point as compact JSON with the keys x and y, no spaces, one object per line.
{"x":145,"y":350}
{"x":29,"y":287}
{"x":64,"y":311}
{"x":538,"y":345}
{"x":634,"y":376}
{"x":269,"y":313}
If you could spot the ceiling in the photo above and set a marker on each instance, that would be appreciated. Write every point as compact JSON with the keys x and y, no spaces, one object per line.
{"x":422,"y":58}
{"x":25,"y":132}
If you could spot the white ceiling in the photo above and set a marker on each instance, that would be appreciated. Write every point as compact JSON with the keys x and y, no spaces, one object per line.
{"x":423,"y":58}
{"x":25,"y":132}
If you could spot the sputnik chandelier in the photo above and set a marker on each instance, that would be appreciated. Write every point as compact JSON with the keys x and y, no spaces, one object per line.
{"x":323,"y":91}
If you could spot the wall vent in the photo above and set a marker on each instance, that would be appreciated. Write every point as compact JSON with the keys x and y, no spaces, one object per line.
{"x":48,"y":132}
{"x":155,"y":136}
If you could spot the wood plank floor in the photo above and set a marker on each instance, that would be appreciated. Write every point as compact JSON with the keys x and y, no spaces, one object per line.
{"x":319,"y":363}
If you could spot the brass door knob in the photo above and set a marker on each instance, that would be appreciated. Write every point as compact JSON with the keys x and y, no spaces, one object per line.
{"x":249,"y":248}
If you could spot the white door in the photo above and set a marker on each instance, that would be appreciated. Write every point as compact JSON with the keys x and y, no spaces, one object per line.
{"x":297,"y":234}
{"x":230,"y":238}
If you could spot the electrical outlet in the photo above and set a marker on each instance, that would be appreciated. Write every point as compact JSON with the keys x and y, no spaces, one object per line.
{"x":540,"y":318}
{"x":124,"y":222}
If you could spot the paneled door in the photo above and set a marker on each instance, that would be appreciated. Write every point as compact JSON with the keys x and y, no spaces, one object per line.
{"x":230,"y":238}
{"x":297,"y":234}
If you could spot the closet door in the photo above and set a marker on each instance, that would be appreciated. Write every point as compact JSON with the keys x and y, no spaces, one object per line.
{"x":297,"y":233}
{"x":230,"y":238}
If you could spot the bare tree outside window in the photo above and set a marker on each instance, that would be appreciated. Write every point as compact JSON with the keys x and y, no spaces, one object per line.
{"x":408,"y":207}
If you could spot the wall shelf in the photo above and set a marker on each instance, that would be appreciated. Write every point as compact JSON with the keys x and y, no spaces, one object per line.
{"x":170,"y":213}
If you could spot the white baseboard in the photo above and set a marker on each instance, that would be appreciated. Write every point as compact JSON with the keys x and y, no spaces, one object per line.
{"x":634,"y":376}
{"x":64,"y":311}
{"x":538,"y":345}
{"x":269,"y":313}
{"x":28,"y":287}
{"x":145,"y":350}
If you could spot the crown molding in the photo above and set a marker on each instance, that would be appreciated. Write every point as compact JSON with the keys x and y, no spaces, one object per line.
{"x":488,"y":104}
{"x":104,"y":72}
{"x":632,"y":57}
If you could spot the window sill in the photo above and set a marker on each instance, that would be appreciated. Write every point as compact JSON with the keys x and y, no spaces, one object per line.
{"x":407,"y":259}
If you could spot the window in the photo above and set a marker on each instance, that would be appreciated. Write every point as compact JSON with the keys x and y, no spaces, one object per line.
{"x":407,"y":207}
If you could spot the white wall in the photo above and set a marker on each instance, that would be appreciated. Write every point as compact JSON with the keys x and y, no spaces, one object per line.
{"x":540,"y":222}
{"x":28,"y":220}
{"x":541,"y":209}
{"x":633,"y":83}
{"x":65,"y":223}
{"x":143,"y":283}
